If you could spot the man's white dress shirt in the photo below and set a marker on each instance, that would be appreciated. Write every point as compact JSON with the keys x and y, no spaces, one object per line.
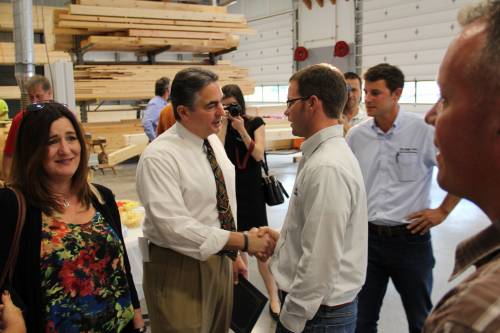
{"x":321,"y":255}
{"x":177,"y":187}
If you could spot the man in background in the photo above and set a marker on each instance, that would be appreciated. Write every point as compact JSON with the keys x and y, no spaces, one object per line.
{"x":396,"y":153}
{"x":467,"y":120}
{"x":352,"y":111}
{"x":39,"y":91}
{"x":155,"y":105}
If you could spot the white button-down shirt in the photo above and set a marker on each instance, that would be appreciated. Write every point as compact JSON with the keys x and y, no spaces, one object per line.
{"x":321,"y":255}
{"x":177,"y":187}
{"x":397,"y":166}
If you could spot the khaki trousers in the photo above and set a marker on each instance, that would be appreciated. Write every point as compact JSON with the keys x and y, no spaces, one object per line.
{"x":185,"y":295}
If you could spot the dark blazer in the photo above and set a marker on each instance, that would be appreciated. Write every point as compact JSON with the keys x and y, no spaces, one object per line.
{"x":27,"y":275}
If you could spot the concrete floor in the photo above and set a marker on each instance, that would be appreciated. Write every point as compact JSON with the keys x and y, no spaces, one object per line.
{"x":463,"y":222}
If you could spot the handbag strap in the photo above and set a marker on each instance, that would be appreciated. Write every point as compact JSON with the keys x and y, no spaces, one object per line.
{"x":10,"y":264}
{"x":264,"y":166}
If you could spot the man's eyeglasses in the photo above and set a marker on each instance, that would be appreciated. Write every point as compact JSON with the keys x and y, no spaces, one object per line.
{"x":291,"y":102}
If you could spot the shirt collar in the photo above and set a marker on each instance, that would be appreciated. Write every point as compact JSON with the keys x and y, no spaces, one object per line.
{"x":187,"y":135}
{"x":471,"y":251}
{"x":395,"y":125}
{"x":312,"y":143}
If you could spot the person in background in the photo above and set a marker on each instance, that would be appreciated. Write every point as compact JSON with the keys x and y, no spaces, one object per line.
{"x":39,"y":91}
{"x":186,"y":184}
{"x":4,"y":110}
{"x":72,"y":270}
{"x":155,"y":105}
{"x":11,"y":317}
{"x":167,"y":119}
{"x":353,"y":112}
{"x":467,"y":121}
{"x":320,"y":259}
{"x":244,"y":140}
{"x":396,"y":154}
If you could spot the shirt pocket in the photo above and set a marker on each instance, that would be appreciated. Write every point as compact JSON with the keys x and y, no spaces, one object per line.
{"x":407,"y":165}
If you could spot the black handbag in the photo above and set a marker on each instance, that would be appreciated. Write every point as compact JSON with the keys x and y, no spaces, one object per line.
{"x":272,"y":187}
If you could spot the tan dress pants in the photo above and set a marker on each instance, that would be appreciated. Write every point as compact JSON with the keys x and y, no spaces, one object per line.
{"x":185,"y":295}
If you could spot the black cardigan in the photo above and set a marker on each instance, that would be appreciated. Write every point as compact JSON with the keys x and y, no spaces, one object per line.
{"x":27,"y":275}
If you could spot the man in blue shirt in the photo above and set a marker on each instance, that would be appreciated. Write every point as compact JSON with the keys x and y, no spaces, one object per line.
{"x":154,"y":107}
{"x":396,"y":153}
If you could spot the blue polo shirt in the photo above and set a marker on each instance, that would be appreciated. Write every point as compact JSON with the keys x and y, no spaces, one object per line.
{"x":396,"y":166}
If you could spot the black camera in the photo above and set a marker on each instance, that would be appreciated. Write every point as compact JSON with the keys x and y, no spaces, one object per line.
{"x":234,"y":109}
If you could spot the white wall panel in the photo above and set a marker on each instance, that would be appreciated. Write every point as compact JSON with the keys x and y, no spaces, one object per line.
{"x":268,"y":54}
{"x":411,"y":34}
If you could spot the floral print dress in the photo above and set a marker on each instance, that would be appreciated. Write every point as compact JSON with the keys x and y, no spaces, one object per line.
{"x":83,"y":277}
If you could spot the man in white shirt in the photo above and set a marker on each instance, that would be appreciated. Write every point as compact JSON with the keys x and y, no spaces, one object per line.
{"x":396,"y":154}
{"x":320,"y":259}
{"x":187,"y":185}
{"x":352,"y":111}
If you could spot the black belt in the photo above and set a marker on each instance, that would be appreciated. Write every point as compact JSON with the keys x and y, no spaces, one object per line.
{"x":321,"y":307}
{"x":383,"y":230}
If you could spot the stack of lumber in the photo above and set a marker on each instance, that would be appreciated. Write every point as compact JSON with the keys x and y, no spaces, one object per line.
{"x":42,"y":55}
{"x":10,"y":92}
{"x":128,"y":82}
{"x":43,"y":21}
{"x":278,"y":131}
{"x":114,"y":132}
{"x":135,"y":25}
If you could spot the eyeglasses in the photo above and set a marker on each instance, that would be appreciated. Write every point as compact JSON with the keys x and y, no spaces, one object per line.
{"x":291,"y":102}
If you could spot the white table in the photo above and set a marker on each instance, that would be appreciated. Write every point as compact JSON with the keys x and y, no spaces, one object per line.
{"x":134,"y":256}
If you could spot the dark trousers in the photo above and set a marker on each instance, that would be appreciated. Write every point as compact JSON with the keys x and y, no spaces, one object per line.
{"x":408,"y":260}
{"x":336,"y":319}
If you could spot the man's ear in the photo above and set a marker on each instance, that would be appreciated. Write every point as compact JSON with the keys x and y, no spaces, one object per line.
{"x":397,"y":93}
{"x":183,"y":112}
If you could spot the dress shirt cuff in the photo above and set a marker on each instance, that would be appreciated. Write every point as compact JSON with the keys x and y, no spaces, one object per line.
{"x":214,"y":243}
{"x":291,"y":321}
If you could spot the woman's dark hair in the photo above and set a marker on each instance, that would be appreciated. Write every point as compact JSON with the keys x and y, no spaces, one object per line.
{"x":233,"y":90}
{"x":28,"y":173}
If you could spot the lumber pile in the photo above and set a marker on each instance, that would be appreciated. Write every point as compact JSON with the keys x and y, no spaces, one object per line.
{"x":113,"y":132}
{"x":142,"y":26}
{"x":128,"y":82}
{"x":41,"y":56}
{"x":10,"y":92}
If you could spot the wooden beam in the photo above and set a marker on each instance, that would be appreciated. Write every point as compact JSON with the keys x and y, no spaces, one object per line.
{"x":177,"y":34}
{"x":155,"y":5}
{"x":10,"y":92}
{"x":153,"y":13}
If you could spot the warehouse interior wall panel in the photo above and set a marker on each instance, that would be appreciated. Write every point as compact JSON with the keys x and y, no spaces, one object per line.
{"x":412,"y":35}
{"x":268,"y":54}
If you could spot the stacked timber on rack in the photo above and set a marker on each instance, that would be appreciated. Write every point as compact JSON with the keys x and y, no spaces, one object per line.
{"x":42,"y":55}
{"x":133,"y":25}
{"x":42,"y":22}
{"x":128,"y":82}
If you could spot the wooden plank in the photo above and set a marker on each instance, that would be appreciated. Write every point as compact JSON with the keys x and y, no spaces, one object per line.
{"x":153,"y":13}
{"x":177,"y":34}
{"x":10,"y":92}
{"x":119,"y":25}
{"x":41,"y":56}
{"x":154,"y":5}
{"x":110,"y":43}
{"x":125,"y":153}
{"x":40,"y":15}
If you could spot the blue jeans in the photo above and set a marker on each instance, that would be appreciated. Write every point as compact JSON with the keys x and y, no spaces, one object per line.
{"x":338,"y":320}
{"x":408,"y":260}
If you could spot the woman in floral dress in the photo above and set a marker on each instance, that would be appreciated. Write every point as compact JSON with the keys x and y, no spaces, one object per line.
{"x":72,"y":272}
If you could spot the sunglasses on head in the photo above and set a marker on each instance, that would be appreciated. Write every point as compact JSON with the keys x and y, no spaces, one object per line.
{"x":40,"y":106}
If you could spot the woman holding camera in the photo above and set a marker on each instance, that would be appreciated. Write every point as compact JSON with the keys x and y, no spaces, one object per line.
{"x":244,"y":140}
{"x":72,"y":272}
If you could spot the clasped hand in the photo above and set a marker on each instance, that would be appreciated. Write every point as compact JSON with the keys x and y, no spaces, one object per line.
{"x":261,"y":242}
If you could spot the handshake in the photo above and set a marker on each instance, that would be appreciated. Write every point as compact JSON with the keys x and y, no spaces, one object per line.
{"x":261,"y":242}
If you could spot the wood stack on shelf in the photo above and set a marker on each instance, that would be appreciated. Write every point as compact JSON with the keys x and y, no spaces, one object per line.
{"x":114,"y":82}
{"x":42,"y":22}
{"x":134,"y":25}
